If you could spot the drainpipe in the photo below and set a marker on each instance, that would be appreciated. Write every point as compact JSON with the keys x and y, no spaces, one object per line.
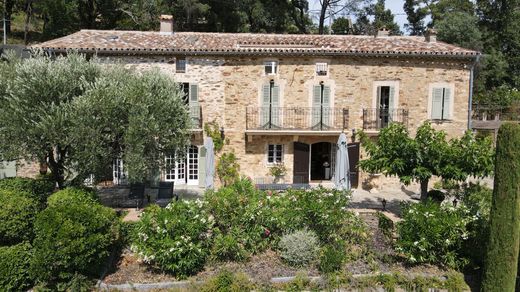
{"x":470,"y":102}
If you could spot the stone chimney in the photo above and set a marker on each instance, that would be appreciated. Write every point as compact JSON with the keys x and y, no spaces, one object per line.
{"x":166,"y":24}
{"x":431,"y":35}
{"x":382,"y":32}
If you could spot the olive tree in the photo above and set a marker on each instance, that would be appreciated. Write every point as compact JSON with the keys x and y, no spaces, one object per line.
{"x":77,"y":115}
{"x":429,"y":153}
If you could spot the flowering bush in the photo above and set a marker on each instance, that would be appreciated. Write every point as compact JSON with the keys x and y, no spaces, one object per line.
{"x":433,"y":233}
{"x":299,"y":248}
{"x":175,"y":239}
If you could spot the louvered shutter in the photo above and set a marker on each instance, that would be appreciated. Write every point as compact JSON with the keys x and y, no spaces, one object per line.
{"x":327,"y":116}
{"x":194,"y":105}
{"x":202,"y":167}
{"x":446,"y":109}
{"x":437,"y":104}
{"x":7,"y":169}
{"x":275,"y":106}
{"x":264,"y":109}
{"x":392,"y":114}
{"x":316,"y":104}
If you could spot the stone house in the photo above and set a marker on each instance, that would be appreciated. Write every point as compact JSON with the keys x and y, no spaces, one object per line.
{"x":286,"y":98}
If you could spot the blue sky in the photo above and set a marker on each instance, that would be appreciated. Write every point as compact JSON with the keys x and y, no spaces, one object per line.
{"x":395,"y":5}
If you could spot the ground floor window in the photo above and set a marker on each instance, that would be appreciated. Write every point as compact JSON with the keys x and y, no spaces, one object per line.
{"x":185,"y":170}
{"x":275,"y":153}
{"x":119,"y":175}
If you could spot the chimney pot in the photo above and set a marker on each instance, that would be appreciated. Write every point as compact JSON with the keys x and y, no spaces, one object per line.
{"x":382,"y":32}
{"x":431,"y":35}
{"x":166,"y":24}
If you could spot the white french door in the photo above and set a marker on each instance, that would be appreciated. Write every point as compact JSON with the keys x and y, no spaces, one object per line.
{"x":185,"y":171}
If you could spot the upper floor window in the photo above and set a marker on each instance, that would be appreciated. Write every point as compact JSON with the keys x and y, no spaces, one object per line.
{"x":441,"y":103}
{"x":271,"y":67}
{"x":275,"y":153}
{"x":321,"y":69}
{"x":180,"y":65}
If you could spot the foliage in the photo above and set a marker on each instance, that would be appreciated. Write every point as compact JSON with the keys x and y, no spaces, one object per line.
{"x":226,"y":281}
{"x":385,"y":225}
{"x":342,"y":25}
{"x":72,"y":237}
{"x":73,"y":195}
{"x":14,"y":266}
{"x":332,"y":257}
{"x":504,"y":236}
{"x":37,"y":189}
{"x":299,"y":248}
{"x":426,"y":155}
{"x":461,"y":29}
{"x":228,"y":168}
{"x":17,"y":214}
{"x":433,"y":233}
{"x":175,"y":239}
{"x":278,"y":170}
{"x":229,"y":247}
{"x":212,"y":130}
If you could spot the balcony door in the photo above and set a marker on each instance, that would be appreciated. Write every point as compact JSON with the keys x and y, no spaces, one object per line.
{"x":184,"y":171}
{"x":191,"y":98}
{"x":270,"y":112}
{"x":321,"y":109}
{"x":385,"y":105}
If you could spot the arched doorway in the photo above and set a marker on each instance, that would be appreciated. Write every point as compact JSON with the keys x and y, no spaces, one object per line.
{"x":322,"y":161}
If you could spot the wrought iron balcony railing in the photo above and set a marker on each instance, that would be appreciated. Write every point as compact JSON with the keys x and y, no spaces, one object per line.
{"x":296,"y":118}
{"x":376,"y":119}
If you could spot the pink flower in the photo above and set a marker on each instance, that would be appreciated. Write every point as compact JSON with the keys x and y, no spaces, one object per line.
{"x":267,"y":232}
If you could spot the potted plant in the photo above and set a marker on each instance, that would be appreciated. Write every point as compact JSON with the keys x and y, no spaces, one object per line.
{"x":278,"y":171}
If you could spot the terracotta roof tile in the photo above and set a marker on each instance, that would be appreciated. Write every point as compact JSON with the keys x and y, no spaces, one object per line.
{"x":135,"y":42}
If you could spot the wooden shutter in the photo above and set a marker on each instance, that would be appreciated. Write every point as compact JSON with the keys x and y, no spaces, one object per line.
{"x":436,"y":113}
{"x":264,"y":109}
{"x":194,"y":105}
{"x":392,"y":114}
{"x":446,"y":108}
{"x":202,"y":167}
{"x":275,"y":102}
{"x":7,"y":169}
{"x":327,"y":115}
{"x":316,"y":104}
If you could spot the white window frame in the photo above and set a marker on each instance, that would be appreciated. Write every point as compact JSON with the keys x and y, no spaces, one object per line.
{"x":119,"y":173}
{"x":448,"y":85}
{"x":391,"y":83}
{"x":177,"y":62}
{"x":282,"y":150}
{"x":273,"y":64}
{"x":322,"y":68}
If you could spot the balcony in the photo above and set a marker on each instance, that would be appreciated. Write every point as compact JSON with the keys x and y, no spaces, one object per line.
{"x":375,"y":119}
{"x":196,"y":117}
{"x":296,"y":119}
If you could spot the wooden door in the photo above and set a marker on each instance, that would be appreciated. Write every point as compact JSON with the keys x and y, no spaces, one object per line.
{"x":301,"y":163}
{"x":353,"y":157}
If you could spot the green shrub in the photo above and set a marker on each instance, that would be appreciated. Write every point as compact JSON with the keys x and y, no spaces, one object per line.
{"x":17,"y":214}
{"x":72,"y":237}
{"x":228,"y":169}
{"x":332,"y":257}
{"x":228,"y":247}
{"x":299,"y":248}
{"x":385,"y":225}
{"x":436,"y":195}
{"x":226,"y":281}
{"x":14,"y":266}
{"x":175,"y":239}
{"x":38,"y":189}
{"x":433,"y":233}
{"x":73,"y":195}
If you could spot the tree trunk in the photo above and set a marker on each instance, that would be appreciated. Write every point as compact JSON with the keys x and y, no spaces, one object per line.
{"x":8,"y":8}
{"x":28,"y":14}
{"x":323,"y":13}
{"x":56,"y":166}
{"x":424,"y":189}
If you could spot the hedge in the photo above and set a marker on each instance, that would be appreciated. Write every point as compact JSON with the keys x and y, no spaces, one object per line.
{"x":17,"y":214}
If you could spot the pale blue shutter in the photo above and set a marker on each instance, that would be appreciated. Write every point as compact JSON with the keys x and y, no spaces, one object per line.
{"x":194,"y":105}
{"x":202,"y":167}
{"x":316,"y":103}
{"x":7,"y":169}
{"x":392,"y":114}
{"x":275,"y":109}
{"x":264,"y":109}
{"x":437,"y":104}
{"x":446,"y":109}
{"x":326,"y":106}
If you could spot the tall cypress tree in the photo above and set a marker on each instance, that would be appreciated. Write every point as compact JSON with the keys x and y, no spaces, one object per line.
{"x":504,"y":240}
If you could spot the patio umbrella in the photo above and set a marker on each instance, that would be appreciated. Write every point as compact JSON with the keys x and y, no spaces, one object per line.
{"x":341,"y":170}
{"x":210,"y":162}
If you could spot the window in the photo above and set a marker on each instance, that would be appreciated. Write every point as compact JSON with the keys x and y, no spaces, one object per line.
{"x":271,"y":67}
{"x":180,"y":65}
{"x":441,"y":103}
{"x":321,"y":69}
{"x":275,"y":153}
{"x":119,"y":175}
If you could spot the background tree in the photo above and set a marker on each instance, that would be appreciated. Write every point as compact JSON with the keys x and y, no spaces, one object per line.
{"x":461,"y":29}
{"x":382,"y":17}
{"x":415,"y":16}
{"x":428,"y":154}
{"x":342,"y":25}
{"x":501,"y":264}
